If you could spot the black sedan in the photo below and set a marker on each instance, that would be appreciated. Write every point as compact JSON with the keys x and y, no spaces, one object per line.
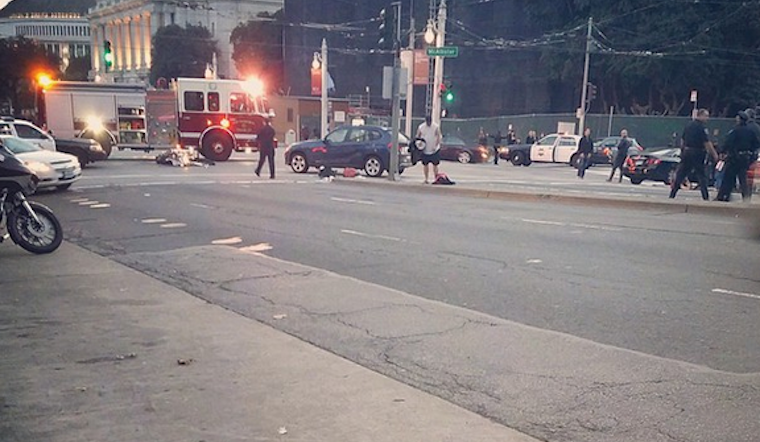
{"x":606,"y":149}
{"x":455,"y":149}
{"x":86,"y":150}
{"x":359,"y":147}
{"x":654,"y":165}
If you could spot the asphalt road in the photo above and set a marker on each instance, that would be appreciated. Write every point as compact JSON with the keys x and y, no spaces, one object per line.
{"x":682,"y":287}
{"x":647,"y":281}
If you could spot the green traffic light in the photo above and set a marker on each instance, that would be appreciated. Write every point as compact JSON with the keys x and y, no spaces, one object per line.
{"x":449,"y":97}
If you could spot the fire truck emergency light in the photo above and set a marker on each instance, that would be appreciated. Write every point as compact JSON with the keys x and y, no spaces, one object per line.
{"x":254,"y":86}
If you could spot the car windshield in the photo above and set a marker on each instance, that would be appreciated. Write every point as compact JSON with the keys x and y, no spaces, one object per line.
{"x":453,"y":141}
{"x":18,"y":146}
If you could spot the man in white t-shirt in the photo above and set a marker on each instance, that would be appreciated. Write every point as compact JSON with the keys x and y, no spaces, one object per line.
{"x":431,"y":154}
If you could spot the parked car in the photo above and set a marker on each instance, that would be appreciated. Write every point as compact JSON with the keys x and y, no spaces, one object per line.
{"x":554,"y":148}
{"x":455,"y":149}
{"x":54,"y":169}
{"x":360,"y":147}
{"x":86,"y":150}
{"x":606,"y":149}
{"x":660,"y":165}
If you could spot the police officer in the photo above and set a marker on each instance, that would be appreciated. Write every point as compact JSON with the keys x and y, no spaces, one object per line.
{"x":696,"y":145}
{"x":741,"y":149}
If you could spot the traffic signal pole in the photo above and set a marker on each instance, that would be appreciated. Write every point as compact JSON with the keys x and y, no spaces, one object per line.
{"x":440,"y":41}
{"x":410,"y":83}
{"x":323,"y":100}
{"x":395,"y":95}
{"x":584,"y":89}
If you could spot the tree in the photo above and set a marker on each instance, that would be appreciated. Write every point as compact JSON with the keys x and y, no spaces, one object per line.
{"x":181,"y":52}
{"x":258,"y":50}
{"x":21,"y":60}
{"x":648,"y":55}
{"x":78,"y":69}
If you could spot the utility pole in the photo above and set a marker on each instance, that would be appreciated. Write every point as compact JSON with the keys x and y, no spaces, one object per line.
{"x":440,"y":42}
{"x":410,"y":82}
{"x":395,"y":95}
{"x":323,"y":101}
{"x":584,"y":89}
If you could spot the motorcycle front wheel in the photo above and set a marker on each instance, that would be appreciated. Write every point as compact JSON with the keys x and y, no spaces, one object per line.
{"x":40,"y":238}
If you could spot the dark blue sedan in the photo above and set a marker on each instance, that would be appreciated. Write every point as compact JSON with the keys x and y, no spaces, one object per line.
{"x":359,"y":147}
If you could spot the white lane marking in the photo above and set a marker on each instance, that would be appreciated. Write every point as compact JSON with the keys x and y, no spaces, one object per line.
{"x":79,"y":200}
{"x":227,"y":241}
{"x":100,"y":206}
{"x":367,"y":235}
{"x":146,"y":194}
{"x":352,"y":201}
{"x":577,"y":225}
{"x":173,"y":225}
{"x":546,"y":223}
{"x":731,"y":292}
{"x":153,"y":221}
{"x":257,"y":248}
{"x":89,"y":203}
{"x":534,"y":261}
{"x":201,"y":206}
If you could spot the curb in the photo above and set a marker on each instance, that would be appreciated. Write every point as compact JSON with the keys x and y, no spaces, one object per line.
{"x":699,"y":208}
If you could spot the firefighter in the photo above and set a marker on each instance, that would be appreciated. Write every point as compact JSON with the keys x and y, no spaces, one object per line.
{"x":741,"y":149}
{"x":266,"y":148}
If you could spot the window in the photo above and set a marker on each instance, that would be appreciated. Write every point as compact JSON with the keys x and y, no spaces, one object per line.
{"x":172,"y":17}
{"x":29,"y":132}
{"x":240,"y":103}
{"x":213,"y":101}
{"x":337,"y":136}
{"x":548,"y":141}
{"x":291,"y":115}
{"x":358,"y":136}
{"x":194,"y":101}
{"x":567,"y":142}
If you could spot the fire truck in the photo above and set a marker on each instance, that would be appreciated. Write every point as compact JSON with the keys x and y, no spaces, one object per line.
{"x":215,"y":117}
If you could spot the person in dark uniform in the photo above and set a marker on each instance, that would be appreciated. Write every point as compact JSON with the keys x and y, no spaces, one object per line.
{"x":696,"y":145}
{"x":622,"y":153}
{"x":266,"y":148}
{"x":741,"y":148}
{"x":497,"y":139}
{"x":585,"y":149}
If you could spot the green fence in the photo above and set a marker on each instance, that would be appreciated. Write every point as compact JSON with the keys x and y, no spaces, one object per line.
{"x":649,"y":131}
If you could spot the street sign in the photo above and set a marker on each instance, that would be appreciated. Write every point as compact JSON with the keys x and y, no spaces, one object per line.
{"x":694,"y":96}
{"x":444,"y":51}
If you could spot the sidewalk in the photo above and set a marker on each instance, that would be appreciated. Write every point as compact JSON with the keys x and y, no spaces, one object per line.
{"x":559,"y":184}
{"x":95,"y":351}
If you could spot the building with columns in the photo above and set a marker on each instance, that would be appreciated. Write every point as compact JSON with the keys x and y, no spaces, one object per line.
{"x":66,"y":34}
{"x":130,"y":25}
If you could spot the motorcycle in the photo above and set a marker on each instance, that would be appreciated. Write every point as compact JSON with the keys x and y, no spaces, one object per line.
{"x":31,"y":225}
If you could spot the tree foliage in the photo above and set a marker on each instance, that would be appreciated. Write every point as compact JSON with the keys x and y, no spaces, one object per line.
{"x":181,"y":52}
{"x":648,"y":54}
{"x":21,"y":60}
{"x":258,"y":50}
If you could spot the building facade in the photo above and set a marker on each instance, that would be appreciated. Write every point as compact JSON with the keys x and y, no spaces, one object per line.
{"x":129,"y":25}
{"x":65,"y":34}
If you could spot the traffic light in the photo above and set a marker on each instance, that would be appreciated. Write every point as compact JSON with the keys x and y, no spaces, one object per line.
{"x":592,"y":90}
{"x":447,"y":92}
{"x":387,"y":29}
{"x":107,"y":55}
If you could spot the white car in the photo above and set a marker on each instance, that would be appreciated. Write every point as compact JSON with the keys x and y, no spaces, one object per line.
{"x":27,"y":131}
{"x":54,"y":169}
{"x":555,"y":148}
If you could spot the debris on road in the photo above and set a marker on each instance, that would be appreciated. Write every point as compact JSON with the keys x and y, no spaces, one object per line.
{"x":185,"y":361}
{"x":282,"y":430}
{"x":280,"y":316}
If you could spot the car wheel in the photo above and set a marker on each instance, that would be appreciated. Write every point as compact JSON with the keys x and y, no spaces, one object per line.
{"x":464,"y":157}
{"x":636,"y":181}
{"x":298,"y":163}
{"x":518,"y":158}
{"x":373,"y":166}
{"x":217,"y":147}
{"x":83,"y":160}
{"x":63,"y":187}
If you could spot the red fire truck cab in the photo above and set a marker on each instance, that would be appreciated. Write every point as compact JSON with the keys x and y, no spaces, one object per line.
{"x":217,"y":117}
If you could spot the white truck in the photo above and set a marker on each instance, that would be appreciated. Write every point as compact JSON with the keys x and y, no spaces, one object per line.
{"x":213,"y":116}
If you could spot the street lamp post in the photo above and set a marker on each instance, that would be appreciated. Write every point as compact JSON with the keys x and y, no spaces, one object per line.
{"x":323,"y":101}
